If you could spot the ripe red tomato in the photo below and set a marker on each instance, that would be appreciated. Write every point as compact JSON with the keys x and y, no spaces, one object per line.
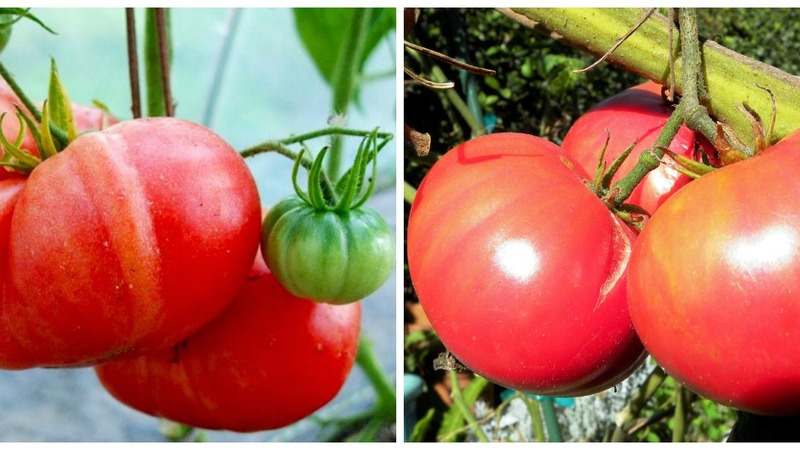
{"x":714,"y":282}
{"x":637,"y":114}
{"x":126,"y":241}
{"x":521,"y":269}
{"x":269,"y":360}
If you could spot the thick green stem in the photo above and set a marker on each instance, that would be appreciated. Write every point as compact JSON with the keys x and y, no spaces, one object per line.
{"x":694,"y":92}
{"x":460,"y":403}
{"x":157,"y":57}
{"x":681,"y":414}
{"x":550,"y":421}
{"x":535,"y":411}
{"x":730,"y":77}
{"x":409,"y":192}
{"x":385,"y":405}
{"x":345,"y":78}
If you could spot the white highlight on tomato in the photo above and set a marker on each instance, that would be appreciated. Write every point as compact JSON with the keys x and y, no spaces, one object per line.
{"x":771,"y":249}
{"x":517,"y":259}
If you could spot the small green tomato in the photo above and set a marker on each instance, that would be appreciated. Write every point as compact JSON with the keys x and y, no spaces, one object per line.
{"x":329,"y":248}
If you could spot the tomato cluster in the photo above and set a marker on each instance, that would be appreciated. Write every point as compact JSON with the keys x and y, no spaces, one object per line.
{"x":135,"y":249}
{"x":533,"y":282}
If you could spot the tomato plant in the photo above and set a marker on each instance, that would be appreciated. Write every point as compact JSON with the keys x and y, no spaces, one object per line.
{"x":137,"y":253}
{"x":521,"y":270}
{"x":269,"y":360}
{"x":336,"y":253}
{"x":713,"y":283}
{"x":634,"y":116}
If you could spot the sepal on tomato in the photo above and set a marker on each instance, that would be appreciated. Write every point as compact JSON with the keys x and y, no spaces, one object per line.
{"x":14,"y":157}
{"x":58,"y":106}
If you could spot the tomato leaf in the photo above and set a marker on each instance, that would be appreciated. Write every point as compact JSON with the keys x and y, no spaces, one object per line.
{"x":22,"y":13}
{"x":320,"y":31}
{"x":59,"y":107}
{"x":422,"y":426}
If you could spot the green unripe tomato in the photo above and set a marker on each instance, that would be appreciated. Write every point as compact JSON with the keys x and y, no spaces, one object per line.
{"x":327,"y":255}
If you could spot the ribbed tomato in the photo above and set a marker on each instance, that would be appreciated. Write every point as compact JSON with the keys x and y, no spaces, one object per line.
{"x":521,"y":269}
{"x":269,"y":360}
{"x":126,"y":241}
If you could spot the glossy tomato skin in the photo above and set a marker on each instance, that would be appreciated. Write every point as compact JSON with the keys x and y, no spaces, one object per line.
{"x":714,"y":281}
{"x":637,"y":114}
{"x":328,"y":256}
{"x":521,"y":269}
{"x":126,"y":241}
{"x":269,"y":360}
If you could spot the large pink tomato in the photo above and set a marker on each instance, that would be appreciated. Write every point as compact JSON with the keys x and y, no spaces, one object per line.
{"x":269,"y":360}
{"x":130,"y":239}
{"x":714,"y":283}
{"x":521,"y":269}
{"x":636,"y":115}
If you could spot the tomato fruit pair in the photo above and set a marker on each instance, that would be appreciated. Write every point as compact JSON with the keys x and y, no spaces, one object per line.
{"x":269,"y":360}
{"x":635,"y":115}
{"x":126,"y":241}
{"x":521,"y":269}
{"x":714,"y":283}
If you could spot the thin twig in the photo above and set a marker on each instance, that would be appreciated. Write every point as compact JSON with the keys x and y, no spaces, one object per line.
{"x":450,"y":60}
{"x":618,"y":42}
{"x":133,"y":63}
{"x":163,"y":56}
{"x":232,"y":25}
{"x":428,"y":83}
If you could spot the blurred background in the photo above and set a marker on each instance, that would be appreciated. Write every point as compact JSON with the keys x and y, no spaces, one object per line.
{"x":269,"y":88}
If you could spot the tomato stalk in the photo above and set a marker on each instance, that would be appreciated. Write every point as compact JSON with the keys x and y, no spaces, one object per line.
{"x":731,"y":78}
{"x":345,"y":77}
{"x":280,"y":146}
{"x":133,"y":63}
{"x":648,"y":160}
{"x":458,"y":400}
{"x":158,"y":54}
{"x":694,"y":90}
{"x":626,"y":418}
{"x":689,"y":111}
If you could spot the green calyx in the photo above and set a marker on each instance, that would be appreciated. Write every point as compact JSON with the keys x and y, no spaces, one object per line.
{"x":52,"y":128}
{"x":14,"y":157}
{"x":349,"y":192}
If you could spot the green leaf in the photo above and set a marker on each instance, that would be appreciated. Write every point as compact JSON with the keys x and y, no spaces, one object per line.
{"x":322,"y":32}
{"x":58,"y":104}
{"x":21,"y":13}
{"x":422,"y":426}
